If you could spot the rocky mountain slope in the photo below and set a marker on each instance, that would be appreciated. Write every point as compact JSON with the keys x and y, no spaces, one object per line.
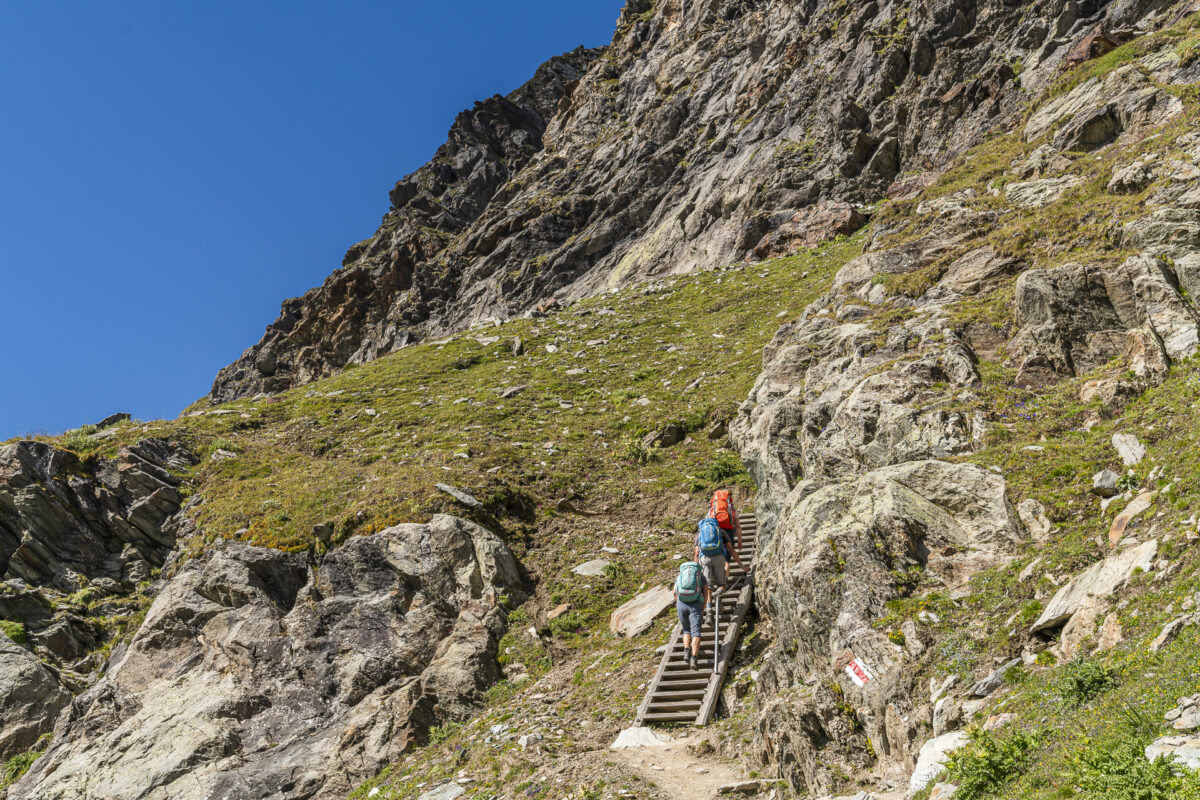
{"x":966,"y":429}
{"x":693,"y":140}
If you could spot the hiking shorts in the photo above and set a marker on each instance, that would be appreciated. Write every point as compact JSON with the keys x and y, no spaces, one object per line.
{"x":691,"y":616}
{"x":713,"y":568}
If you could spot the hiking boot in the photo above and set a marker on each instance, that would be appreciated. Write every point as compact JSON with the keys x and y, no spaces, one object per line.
{"x":692,"y":661}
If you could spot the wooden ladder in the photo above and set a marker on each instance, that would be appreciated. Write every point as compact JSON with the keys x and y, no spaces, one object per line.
{"x":678,"y":693}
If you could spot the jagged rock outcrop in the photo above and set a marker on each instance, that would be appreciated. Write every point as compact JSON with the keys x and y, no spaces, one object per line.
{"x":94,"y":527}
{"x":64,"y":523}
{"x":695,"y":139}
{"x":386,"y":283}
{"x":839,"y":396}
{"x":1075,"y":318}
{"x":839,"y":551}
{"x":255,"y":675}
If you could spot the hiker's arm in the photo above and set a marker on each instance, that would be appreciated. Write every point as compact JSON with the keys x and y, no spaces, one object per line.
{"x":737,"y":559}
{"x":696,"y":553}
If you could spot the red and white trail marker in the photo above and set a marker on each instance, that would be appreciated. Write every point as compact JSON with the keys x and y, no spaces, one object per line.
{"x":859,"y":673}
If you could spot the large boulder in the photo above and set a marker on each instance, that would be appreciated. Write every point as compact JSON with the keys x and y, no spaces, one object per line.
{"x":1098,"y":581}
{"x":273,"y":679}
{"x":1066,"y":323}
{"x":837,"y":399}
{"x":1074,"y":318}
{"x":32,"y":698}
{"x":979,"y":269}
{"x":827,"y":573}
{"x":636,"y":616}
{"x":932,"y":760}
{"x":1043,"y":192}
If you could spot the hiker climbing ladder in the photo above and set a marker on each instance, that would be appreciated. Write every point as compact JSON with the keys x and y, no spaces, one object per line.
{"x":679,"y":693}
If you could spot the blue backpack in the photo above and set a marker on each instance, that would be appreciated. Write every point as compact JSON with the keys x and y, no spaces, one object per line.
{"x":710,"y":540}
{"x":687,"y":584}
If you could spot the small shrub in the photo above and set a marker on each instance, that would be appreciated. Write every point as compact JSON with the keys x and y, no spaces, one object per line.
{"x":19,"y":764}
{"x":1120,"y":771}
{"x":568,"y":624}
{"x":80,"y":440}
{"x":989,"y":762}
{"x":1029,"y":612}
{"x":14,"y":630}
{"x":83,"y":597}
{"x":634,"y":450}
{"x":723,"y":467}
{"x":443,"y":732}
{"x":1081,"y":680}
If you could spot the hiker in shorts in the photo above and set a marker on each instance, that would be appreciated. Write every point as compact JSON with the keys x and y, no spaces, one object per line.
{"x":713,"y":551}
{"x":692,"y":596}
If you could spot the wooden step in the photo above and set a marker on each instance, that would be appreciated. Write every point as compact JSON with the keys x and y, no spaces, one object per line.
{"x":680,"y":680}
{"x":682,"y":670}
{"x":685,"y":695}
{"x":682,"y":665}
{"x":670,"y":716}
{"x":684,"y":705}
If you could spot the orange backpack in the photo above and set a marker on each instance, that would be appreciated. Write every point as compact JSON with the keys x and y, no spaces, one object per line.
{"x":721,"y":508}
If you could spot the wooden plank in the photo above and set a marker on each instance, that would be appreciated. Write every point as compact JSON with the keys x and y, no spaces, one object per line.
{"x":663,"y":693}
{"x":670,"y":716}
{"x":676,"y":705}
{"x":676,"y":681}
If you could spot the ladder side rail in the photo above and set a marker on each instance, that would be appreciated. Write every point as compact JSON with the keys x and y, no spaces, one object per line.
{"x":709,"y":706}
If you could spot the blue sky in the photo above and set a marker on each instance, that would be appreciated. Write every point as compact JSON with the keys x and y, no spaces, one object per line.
{"x":171,"y":171}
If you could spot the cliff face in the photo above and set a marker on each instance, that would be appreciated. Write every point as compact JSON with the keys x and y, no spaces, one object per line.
{"x":695,"y":139}
{"x":386,"y":284}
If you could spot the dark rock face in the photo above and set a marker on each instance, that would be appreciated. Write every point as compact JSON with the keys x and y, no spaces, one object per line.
{"x":62,"y":520}
{"x":256,"y":676}
{"x":691,"y":141}
{"x":386,"y":283}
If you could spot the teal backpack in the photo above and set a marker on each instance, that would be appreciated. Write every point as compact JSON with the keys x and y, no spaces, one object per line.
{"x":687,"y":583}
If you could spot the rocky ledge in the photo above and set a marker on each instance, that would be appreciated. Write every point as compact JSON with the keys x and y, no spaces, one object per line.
{"x":256,"y":675}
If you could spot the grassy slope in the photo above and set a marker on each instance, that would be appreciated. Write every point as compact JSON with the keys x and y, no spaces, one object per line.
{"x":682,"y":349}
{"x":363,"y":450}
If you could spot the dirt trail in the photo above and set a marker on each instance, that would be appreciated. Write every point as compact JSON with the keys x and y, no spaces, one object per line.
{"x":678,"y":773}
